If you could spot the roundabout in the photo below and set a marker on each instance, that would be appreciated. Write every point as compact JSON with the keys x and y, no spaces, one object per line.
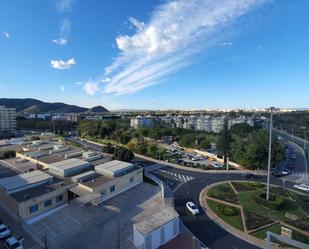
{"x":240,"y":208}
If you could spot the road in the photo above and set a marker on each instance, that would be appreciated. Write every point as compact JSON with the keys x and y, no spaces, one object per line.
{"x":187,"y":186}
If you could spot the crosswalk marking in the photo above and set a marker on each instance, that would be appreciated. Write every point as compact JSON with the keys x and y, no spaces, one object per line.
{"x":184,"y":178}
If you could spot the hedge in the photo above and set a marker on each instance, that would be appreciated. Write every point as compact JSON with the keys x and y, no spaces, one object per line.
{"x":275,"y":202}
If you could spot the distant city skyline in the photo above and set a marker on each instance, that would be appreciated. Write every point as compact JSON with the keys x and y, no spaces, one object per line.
{"x":156,"y":54}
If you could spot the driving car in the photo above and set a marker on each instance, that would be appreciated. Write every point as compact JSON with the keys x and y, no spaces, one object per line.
{"x":192,"y":208}
{"x":302,"y":187}
{"x":250,"y":176}
{"x":285,"y":172}
{"x":276,"y":173}
{"x":13,"y":243}
{"x":4,"y":231}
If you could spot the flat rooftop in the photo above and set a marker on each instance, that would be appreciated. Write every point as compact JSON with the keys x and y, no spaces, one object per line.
{"x":68,"y":163}
{"x":36,"y":191}
{"x":156,"y":220}
{"x":21,"y":181}
{"x":5,"y":171}
{"x":114,"y":168}
{"x":97,"y":180}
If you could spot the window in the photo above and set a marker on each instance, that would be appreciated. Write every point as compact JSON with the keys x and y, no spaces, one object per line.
{"x":34,"y":208}
{"x":132,"y":179}
{"x":47,"y":203}
{"x":112,"y":188}
{"x":103,"y":192}
{"x":59,"y":198}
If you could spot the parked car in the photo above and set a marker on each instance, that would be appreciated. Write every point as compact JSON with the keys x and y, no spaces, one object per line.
{"x":4,"y":231}
{"x":13,"y":243}
{"x":192,"y":208}
{"x":285,"y":172}
{"x":215,"y":165}
{"x":302,"y":187}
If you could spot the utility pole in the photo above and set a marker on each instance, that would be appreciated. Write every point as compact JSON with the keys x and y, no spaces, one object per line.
{"x":269,"y":151}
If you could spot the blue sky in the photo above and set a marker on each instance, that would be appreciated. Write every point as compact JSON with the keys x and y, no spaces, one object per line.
{"x":156,"y":54}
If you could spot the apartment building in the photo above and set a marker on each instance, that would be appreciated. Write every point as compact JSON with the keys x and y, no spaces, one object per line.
{"x":7,"y":122}
{"x":140,"y":121}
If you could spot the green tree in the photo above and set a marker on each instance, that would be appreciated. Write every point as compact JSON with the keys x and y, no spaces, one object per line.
{"x":224,"y":141}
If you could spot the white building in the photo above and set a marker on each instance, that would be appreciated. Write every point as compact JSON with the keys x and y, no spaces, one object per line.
{"x":7,"y":122}
{"x":140,"y":121}
{"x":157,"y":229}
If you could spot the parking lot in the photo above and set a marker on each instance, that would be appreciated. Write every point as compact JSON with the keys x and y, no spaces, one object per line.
{"x":192,"y":159}
{"x":87,"y":226}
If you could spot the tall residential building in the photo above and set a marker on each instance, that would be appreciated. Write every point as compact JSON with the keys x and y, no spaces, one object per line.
{"x":140,"y":121}
{"x":7,"y":122}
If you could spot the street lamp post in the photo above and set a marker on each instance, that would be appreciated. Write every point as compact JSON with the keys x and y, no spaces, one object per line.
{"x":269,"y":151}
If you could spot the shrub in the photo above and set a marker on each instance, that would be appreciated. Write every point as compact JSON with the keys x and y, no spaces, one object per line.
{"x":227,"y":210}
{"x":4,"y":154}
{"x":275,"y":202}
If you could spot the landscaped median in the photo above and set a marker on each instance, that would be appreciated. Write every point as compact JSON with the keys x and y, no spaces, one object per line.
{"x":241,"y":208}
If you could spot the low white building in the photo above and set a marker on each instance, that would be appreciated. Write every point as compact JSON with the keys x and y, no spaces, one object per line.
{"x":157,"y":229}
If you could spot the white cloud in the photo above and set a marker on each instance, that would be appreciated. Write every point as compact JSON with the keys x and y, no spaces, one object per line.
{"x":5,"y":34}
{"x":91,"y":87}
{"x":226,"y":44}
{"x":176,"y":32}
{"x":60,"y":64}
{"x":79,"y":83}
{"x":61,"y":88}
{"x":64,"y":33}
{"x":64,"y":5}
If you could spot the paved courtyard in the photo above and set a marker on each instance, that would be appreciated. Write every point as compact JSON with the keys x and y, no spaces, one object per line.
{"x":88,"y":226}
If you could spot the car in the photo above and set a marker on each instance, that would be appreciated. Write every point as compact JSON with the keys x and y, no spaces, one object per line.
{"x":302,"y":187}
{"x":293,"y":156}
{"x":215,"y":165}
{"x":192,"y":208}
{"x":285,"y":172}
{"x":250,"y":176}
{"x":276,"y":173}
{"x":4,"y":231}
{"x":13,"y":243}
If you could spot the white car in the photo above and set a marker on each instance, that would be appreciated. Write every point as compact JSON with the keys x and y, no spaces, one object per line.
{"x":302,"y":187}
{"x":13,"y":243}
{"x":192,"y":208}
{"x":285,"y":172}
{"x":4,"y":231}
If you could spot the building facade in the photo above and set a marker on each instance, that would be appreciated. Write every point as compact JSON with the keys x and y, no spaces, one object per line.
{"x":7,"y":122}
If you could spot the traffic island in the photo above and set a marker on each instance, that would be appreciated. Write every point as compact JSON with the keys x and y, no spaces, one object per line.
{"x":241,"y":208}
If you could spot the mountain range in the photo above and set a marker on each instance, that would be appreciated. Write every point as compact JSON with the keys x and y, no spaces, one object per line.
{"x":37,"y":106}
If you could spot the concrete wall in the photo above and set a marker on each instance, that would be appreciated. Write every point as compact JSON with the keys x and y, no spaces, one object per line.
{"x":9,"y":203}
{"x":24,"y":207}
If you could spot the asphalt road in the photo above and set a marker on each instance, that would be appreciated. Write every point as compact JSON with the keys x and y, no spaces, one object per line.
{"x":206,"y":230}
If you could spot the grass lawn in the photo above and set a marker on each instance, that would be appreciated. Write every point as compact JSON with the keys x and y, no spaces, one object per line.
{"x":224,"y":192}
{"x":277,"y":229}
{"x":289,"y":206}
{"x":234,"y":220}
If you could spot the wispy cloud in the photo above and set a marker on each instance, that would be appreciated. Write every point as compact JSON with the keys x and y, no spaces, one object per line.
{"x":79,"y":83}
{"x":5,"y":34}
{"x":64,"y":33}
{"x":176,"y":32}
{"x":61,"y":88}
{"x":64,"y":5}
{"x":91,"y":87}
{"x":62,"y":65}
